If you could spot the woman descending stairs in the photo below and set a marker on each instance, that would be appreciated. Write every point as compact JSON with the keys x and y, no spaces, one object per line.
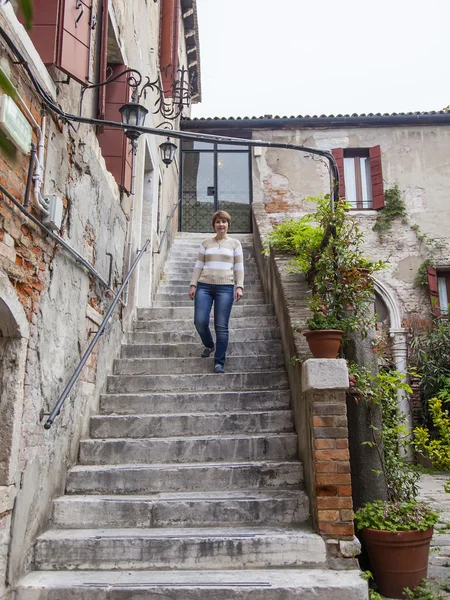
{"x":189,"y":486}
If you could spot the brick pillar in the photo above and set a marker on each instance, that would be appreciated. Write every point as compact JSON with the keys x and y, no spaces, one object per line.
{"x":324,"y":382}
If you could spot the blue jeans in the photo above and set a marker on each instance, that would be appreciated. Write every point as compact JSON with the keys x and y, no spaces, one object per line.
{"x":222,"y":296}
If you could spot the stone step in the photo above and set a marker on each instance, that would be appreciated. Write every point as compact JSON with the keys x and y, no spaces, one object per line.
{"x":243,"y":584}
{"x":170,"y":287}
{"x":190,"y":365}
{"x":183,"y":238}
{"x":242,"y":334}
{"x":194,"y":548}
{"x":189,"y":424}
{"x":184,"y":272}
{"x":182,"y":260}
{"x":163,"y":296}
{"x":186,"y":301}
{"x":217,"y":401}
{"x":250,"y":282}
{"x":186,"y":509}
{"x":204,"y":448}
{"x":236,"y":323}
{"x":190,"y":257}
{"x":146,"y":479}
{"x":239,"y":310}
{"x":199,"y":381}
{"x":194,"y":349}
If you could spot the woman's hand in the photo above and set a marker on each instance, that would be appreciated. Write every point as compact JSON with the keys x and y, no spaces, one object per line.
{"x":238,"y":294}
{"x":192,"y":290}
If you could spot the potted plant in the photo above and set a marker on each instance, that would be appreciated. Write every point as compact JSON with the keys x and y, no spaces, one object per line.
{"x":397,"y":538}
{"x":324,"y":335}
{"x":341,"y":293}
{"x":395,"y":533}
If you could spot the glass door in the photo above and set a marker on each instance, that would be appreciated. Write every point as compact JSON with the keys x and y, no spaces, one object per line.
{"x":215,"y":177}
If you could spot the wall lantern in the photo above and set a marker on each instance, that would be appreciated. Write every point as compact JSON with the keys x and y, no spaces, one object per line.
{"x":133,"y":115}
{"x":167,"y":150}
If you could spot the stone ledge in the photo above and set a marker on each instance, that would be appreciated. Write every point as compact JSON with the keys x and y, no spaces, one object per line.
{"x":324,"y":374}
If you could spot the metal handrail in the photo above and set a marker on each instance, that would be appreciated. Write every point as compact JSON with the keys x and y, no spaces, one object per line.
{"x":55,"y":412}
{"x":169,"y":218}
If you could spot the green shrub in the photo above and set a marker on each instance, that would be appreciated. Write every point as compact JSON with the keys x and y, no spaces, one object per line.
{"x":296,"y":236}
{"x":437,"y":449}
{"x":396,"y":516}
{"x":430,"y":353}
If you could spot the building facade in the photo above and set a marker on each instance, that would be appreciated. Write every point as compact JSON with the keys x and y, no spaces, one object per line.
{"x":74,"y":211}
{"x":376,"y":155}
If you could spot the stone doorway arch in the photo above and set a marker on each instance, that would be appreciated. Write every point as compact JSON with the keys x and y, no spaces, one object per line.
{"x":14,"y":333}
{"x":399,"y":346}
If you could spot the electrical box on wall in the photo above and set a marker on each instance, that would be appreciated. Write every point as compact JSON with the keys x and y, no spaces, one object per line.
{"x":55,"y":212}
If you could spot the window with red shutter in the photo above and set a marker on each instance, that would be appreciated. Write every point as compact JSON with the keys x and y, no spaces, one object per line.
{"x":62,"y":33}
{"x":168,"y":43}
{"x":433,"y":290}
{"x":338,"y":154}
{"x":376,"y":174}
{"x":115,"y":146}
{"x":360,"y":176}
{"x":102,"y":76}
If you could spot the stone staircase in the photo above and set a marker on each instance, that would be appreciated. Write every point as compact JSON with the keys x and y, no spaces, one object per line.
{"x":189,"y":486}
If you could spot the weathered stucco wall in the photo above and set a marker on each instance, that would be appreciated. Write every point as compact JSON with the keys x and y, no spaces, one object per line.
{"x":416,"y":158}
{"x":62,"y":304}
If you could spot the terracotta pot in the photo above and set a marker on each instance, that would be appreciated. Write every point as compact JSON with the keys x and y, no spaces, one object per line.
{"x":324,"y":343}
{"x":397,"y":560}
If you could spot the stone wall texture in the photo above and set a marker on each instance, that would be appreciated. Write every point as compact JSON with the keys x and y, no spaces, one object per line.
{"x":50,"y":305}
{"x":416,"y":158}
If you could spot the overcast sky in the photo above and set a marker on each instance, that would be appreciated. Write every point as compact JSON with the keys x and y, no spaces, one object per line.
{"x":299,"y":57}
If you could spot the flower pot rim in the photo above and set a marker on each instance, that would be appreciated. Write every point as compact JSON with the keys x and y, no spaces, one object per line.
{"x":317,"y":330}
{"x":399,"y":531}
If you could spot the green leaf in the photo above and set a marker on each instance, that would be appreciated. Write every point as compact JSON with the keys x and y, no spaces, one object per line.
{"x":26,"y":6}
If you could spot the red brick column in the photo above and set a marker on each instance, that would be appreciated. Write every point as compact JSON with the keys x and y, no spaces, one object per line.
{"x":324,"y":382}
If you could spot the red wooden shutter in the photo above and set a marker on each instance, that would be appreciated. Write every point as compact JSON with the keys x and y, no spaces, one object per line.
{"x":338,"y":154}
{"x":168,"y":47}
{"x":44,"y":30}
{"x":376,"y":174}
{"x":74,"y":39}
{"x":103,"y":63}
{"x":115,"y":146}
{"x":61,"y":34}
{"x":433,"y":290}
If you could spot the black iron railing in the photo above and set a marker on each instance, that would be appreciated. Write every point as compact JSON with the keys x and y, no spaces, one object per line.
{"x":169,"y":219}
{"x":55,"y":412}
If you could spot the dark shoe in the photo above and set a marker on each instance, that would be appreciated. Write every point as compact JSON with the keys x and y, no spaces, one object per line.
{"x":207,"y":352}
{"x":218,"y":368}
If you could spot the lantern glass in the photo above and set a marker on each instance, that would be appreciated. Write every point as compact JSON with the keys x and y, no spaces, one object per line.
{"x":167,"y":150}
{"x":133,"y":114}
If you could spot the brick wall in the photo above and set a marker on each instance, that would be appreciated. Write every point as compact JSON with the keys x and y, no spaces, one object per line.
{"x":331,"y":463}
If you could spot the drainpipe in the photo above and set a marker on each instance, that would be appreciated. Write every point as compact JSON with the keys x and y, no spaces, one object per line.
{"x":39,"y":164}
{"x":130,"y":230}
{"x":39,"y":173}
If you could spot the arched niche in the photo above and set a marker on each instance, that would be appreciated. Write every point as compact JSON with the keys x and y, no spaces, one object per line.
{"x":399,"y":346}
{"x":14,"y":332}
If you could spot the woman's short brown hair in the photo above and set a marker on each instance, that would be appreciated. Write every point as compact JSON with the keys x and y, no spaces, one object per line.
{"x":221,"y":214}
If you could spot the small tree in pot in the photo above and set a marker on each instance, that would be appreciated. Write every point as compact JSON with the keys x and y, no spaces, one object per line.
{"x":340,"y":276}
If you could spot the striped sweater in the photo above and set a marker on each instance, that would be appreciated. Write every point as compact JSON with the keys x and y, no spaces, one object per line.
{"x":219,"y":263}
